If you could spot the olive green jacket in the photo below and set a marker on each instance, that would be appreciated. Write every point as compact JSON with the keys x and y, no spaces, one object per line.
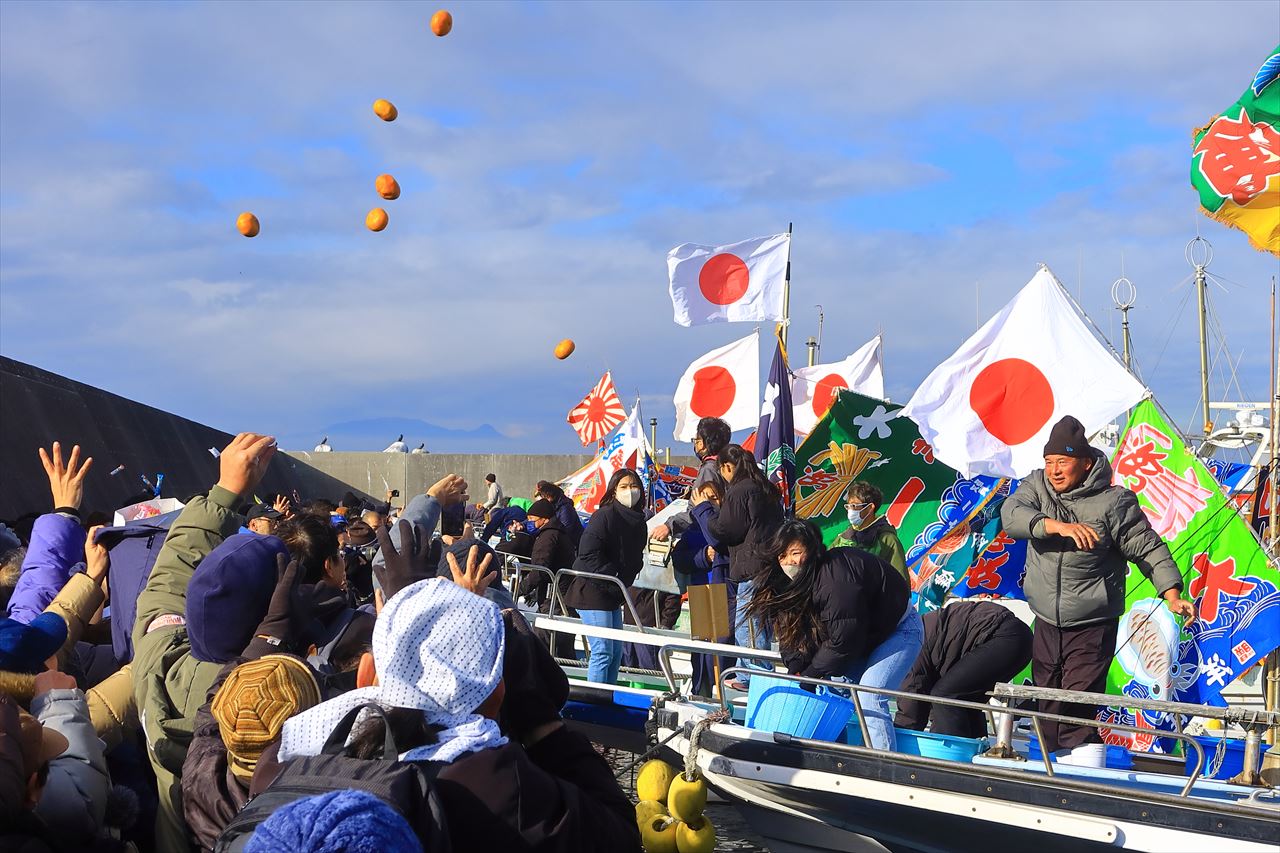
{"x":169,"y":684}
{"x":880,"y":539}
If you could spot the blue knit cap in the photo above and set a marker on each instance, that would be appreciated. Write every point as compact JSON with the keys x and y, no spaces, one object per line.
{"x":25,"y":647}
{"x":229,"y":593}
{"x":337,"y":822}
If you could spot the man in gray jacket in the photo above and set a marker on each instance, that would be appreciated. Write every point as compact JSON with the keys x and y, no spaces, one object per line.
{"x":1082,"y":532}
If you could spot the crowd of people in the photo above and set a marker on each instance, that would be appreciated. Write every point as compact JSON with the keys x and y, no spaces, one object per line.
{"x":320,"y":676}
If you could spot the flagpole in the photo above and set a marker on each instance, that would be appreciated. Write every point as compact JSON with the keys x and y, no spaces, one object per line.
{"x":786,"y":290}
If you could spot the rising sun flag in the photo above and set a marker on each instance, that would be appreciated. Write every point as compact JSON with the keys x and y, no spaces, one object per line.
{"x":1235,"y":162}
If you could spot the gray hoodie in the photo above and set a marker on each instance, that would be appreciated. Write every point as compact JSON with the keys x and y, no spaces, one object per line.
{"x":1068,"y":587}
{"x":74,"y":802}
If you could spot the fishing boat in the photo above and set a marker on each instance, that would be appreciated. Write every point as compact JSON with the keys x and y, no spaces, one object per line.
{"x":804,"y":794}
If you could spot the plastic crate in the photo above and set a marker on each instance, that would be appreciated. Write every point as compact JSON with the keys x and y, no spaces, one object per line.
{"x":927,"y":744}
{"x":1232,"y":759}
{"x":1118,"y":758}
{"x":776,"y":705}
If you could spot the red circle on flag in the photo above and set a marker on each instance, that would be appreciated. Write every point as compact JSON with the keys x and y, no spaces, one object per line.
{"x":1012,"y":398}
{"x":824,"y":393}
{"x":596,"y":409}
{"x":723,"y":279}
{"x":713,"y":391}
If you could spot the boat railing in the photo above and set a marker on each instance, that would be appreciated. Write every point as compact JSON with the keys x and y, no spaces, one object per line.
{"x":1002,"y":748}
{"x":626,"y":595}
{"x":1035,"y":716}
{"x":1254,"y":721}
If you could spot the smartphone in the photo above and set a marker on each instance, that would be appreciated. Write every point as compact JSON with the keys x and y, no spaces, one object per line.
{"x":395,"y":493}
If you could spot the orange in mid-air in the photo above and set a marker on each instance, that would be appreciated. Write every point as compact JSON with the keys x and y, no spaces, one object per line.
{"x":385,"y":110}
{"x":441,"y":23}
{"x":387,"y":187}
{"x":565,"y":348}
{"x":376,"y":220}
{"x":247,"y":224}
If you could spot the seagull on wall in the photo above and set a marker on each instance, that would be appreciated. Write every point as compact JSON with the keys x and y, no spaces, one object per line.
{"x":323,"y":446}
{"x":397,"y":446}
{"x":419,"y":448}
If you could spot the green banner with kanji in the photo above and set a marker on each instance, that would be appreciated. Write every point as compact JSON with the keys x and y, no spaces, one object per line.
{"x":1235,"y":587}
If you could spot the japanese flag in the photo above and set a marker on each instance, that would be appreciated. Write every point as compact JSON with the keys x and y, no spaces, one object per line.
{"x":724,"y":383}
{"x":739,"y":283}
{"x":989,"y":408}
{"x":813,"y":389}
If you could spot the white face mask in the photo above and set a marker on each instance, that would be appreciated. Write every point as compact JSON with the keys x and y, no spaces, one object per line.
{"x":791,"y":571}
{"x":857,"y":516}
{"x":628,"y":497}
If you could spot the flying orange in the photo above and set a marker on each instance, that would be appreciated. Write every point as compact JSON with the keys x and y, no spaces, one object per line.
{"x":565,"y":348}
{"x":376,"y":220}
{"x":387,"y":187}
{"x":247,"y":224}
{"x":385,"y":110}
{"x":441,"y":23}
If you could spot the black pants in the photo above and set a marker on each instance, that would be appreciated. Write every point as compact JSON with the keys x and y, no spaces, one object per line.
{"x":999,"y":658}
{"x":1072,"y":659}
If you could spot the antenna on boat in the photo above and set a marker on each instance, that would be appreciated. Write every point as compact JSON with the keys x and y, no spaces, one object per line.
{"x":1124,"y":294}
{"x":1199,"y":254}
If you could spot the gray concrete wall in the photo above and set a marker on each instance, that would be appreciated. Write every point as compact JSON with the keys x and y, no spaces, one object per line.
{"x":371,"y":474}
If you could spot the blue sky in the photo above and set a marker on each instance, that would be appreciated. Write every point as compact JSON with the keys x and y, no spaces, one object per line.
{"x":550,"y":154}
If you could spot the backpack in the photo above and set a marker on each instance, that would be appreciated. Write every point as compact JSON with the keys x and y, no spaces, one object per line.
{"x":406,"y":786}
{"x":134,"y":548}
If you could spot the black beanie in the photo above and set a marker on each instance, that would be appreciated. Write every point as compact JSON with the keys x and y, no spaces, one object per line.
{"x":1067,"y":438}
{"x":542,"y":509}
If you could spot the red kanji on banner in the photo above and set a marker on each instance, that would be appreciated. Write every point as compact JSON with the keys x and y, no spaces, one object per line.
{"x":1215,"y":580}
{"x":921,"y":448}
{"x":986,"y":572}
{"x":1174,"y":499}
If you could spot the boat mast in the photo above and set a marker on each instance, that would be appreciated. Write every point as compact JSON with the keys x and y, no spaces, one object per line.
{"x":1124,"y":294}
{"x":786,"y":294}
{"x":1199,"y":253}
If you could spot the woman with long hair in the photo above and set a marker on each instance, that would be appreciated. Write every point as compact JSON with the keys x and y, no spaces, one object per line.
{"x":749,"y":515}
{"x":613,"y":544}
{"x":840,"y":614}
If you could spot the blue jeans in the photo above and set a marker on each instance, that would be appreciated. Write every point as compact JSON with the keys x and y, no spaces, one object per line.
{"x":606,"y":655}
{"x":886,"y":667}
{"x":750,"y":633}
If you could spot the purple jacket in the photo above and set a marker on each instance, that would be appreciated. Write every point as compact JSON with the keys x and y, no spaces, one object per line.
{"x":55,"y":552}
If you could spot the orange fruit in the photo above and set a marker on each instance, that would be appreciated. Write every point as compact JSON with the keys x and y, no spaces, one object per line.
{"x":247,"y":224}
{"x":376,"y":220}
{"x":387,"y":187}
{"x":565,"y":348}
{"x":441,"y":23}
{"x":385,"y":110}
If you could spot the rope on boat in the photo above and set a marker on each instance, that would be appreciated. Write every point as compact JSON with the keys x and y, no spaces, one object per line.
{"x":691,"y":771}
{"x":651,"y":733}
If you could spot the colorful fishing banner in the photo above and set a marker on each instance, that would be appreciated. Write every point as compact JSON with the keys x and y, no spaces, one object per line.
{"x":1235,"y":161}
{"x":627,"y":447}
{"x":1235,"y":588}
{"x":671,"y":483}
{"x":945,"y":522}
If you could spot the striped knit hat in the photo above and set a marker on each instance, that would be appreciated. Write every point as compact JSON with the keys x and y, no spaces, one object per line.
{"x":255,"y":700}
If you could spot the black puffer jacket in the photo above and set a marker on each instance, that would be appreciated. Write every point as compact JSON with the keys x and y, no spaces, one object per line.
{"x":748,"y":517}
{"x":859,"y":600}
{"x":613,"y":544}
{"x":553,"y":547}
{"x":953,"y":632}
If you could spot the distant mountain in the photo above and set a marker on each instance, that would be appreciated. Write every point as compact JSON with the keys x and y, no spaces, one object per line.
{"x":377,"y":433}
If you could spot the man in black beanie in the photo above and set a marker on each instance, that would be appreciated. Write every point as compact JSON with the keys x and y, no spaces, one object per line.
{"x":1082,"y":533}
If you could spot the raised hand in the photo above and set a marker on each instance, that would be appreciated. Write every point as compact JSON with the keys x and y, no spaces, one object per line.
{"x":476,"y":576}
{"x":52,"y":679}
{"x":404,"y":566}
{"x":449,"y":490}
{"x":97,"y":559}
{"x":283,"y":506}
{"x":244,"y":461}
{"x":66,"y":481}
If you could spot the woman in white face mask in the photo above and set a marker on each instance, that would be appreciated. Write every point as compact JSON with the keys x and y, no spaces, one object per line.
{"x":613,"y":543}
{"x":840,"y":614}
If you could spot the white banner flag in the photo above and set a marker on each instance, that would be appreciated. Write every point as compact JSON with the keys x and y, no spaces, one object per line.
{"x":739,"y":283}
{"x":989,"y":408}
{"x":724,"y":383}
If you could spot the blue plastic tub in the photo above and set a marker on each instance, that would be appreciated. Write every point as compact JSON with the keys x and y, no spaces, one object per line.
{"x":776,"y":705}
{"x":927,"y":744}
{"x":1118,"y":758}
{"x":1232,"y":759}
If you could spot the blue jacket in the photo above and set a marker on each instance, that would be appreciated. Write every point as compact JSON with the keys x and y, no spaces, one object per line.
{"x":55,"y":552}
